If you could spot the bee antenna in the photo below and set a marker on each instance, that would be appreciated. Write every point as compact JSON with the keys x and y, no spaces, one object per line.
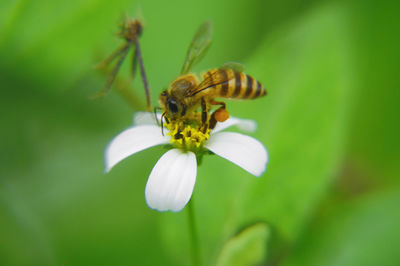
{"x":162,"y":123}
{"x":155,"y":114}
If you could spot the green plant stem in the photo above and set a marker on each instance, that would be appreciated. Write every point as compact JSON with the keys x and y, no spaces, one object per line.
{"x":195,"y":247}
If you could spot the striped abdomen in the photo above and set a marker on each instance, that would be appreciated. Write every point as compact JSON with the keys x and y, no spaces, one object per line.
{"x":238,"y":85}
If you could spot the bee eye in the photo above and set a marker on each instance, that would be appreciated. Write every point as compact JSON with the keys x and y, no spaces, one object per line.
{"x":172,"y":106}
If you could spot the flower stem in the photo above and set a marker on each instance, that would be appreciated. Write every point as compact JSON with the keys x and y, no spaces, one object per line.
{"x":195,"y":249}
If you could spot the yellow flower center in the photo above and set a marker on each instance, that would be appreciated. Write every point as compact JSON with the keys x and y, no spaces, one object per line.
{"x":187,"y":137}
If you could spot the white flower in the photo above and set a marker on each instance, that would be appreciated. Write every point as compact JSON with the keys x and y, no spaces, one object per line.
{"x":171,"y":182}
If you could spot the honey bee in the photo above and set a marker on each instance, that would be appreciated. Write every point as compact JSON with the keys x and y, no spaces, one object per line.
{"x":131,"y":30}
{"x":186,"y":94}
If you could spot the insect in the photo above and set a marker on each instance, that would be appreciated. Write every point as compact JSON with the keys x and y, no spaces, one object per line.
{"x":131,"y":30}
{"x":186,"y":94}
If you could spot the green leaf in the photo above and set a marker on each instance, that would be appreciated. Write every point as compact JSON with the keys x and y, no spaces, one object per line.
{"x":249,"y":247}
{"x":362,"y":232}
{"x":374,"y":131}
{"x":307,"y":71}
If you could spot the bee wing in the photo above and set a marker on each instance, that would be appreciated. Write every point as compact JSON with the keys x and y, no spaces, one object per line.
{"x":235,"y":66}
{"x":211,"y":80}
{"x":198,"y":47}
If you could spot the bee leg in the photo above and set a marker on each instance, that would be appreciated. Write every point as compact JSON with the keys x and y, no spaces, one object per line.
{"x":223,"y":105}
{"x":204,"y":114}
{"x":219,"y":115}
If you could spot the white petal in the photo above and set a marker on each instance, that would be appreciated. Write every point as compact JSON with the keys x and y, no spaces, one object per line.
{"x":171,"y":181}
{"x":146,"y":118}
{"x":246,"y":125}
{"x":132,"y":140}
{"x":245,"y":151}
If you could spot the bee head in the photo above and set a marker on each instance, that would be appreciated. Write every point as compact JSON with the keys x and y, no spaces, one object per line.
{"x":171,"y":106}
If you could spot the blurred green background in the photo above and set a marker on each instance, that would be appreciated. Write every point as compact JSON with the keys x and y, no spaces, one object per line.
{"x":331,"y":191}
